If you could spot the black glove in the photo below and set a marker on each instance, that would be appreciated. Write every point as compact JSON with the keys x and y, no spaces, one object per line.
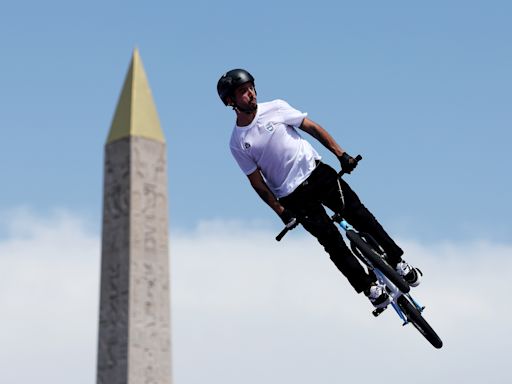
{"x":348,"y":163}
{"x":289,"y":219}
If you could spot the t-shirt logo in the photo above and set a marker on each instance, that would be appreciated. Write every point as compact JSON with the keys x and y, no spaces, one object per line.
{"x":247,"y":145}
{"x":269,"y":127}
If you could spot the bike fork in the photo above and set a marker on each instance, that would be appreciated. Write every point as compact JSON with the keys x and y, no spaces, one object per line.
{"x":416,"y":303}
{"x":400,"y":312}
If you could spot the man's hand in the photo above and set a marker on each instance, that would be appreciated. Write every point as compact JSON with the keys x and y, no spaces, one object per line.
{"x":348,"y":163}
{"x":289,"y":219}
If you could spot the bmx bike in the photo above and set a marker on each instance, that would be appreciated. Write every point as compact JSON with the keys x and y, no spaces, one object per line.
{"x":373,"y":257}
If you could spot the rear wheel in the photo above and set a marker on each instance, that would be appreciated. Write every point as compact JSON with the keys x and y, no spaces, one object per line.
{"x":414,"y":316}
{"x":377,"y":261}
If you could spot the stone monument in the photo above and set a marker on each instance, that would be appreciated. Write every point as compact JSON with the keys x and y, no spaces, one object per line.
{"x":134,"y":321}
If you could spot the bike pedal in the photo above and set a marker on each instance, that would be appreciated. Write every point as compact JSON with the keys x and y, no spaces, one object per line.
{"x":378,"y":311}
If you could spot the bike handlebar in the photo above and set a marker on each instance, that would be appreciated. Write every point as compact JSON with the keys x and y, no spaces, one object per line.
{"x":292,"y":224}
{"x":357,"y":159}
{"x":285,"y":230}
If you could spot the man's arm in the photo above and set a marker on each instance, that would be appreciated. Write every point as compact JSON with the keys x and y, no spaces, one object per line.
{"x":322,"y":136}
{"x":259,"y":185}
{"x":348,"y":163}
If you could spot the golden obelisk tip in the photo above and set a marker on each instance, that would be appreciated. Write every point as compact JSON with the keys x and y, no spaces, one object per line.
{"x":136,"y":113}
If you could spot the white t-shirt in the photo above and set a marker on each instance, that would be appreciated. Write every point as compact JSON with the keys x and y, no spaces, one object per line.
{"x":272,"y":144}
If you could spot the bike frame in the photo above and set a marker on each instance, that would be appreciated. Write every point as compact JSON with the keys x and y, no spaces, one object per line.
{"x":393,"y":291}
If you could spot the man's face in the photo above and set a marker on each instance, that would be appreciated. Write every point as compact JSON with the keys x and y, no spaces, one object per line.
{"x":245,"y":96}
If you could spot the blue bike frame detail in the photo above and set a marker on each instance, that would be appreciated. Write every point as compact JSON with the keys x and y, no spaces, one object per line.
{"x":346,"y":226}
{"x":393,"y":291}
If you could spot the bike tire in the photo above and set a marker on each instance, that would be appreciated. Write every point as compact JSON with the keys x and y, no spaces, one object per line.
{"x":414,"y":316}
{"x":377,"y":261}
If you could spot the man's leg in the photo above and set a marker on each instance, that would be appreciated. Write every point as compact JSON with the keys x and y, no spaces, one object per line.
{"x":364,"y":221}
{"x":339,"y":197}
{"x":316,"y":221}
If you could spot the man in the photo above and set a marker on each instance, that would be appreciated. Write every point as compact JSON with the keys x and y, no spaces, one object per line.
{"x":286,"y":172}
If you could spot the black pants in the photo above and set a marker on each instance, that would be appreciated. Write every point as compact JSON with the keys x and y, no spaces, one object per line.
{"x":323,"y":187}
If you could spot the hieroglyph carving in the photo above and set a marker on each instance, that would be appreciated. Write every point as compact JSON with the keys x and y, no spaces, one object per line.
{"x":134,"y":315}
{"x":149,"y":301}
{"x":114,"y":300}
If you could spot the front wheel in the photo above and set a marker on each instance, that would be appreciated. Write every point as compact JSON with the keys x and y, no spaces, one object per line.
{"x":414,"y":316}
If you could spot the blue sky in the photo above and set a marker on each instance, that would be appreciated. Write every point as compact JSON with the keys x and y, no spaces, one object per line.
{"x":421,"y":89}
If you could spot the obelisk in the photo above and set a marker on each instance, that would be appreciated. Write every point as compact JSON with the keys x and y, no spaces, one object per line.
{"x":134,"y":323}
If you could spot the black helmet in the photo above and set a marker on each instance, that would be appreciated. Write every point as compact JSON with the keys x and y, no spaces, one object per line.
{"x":232,"y":80}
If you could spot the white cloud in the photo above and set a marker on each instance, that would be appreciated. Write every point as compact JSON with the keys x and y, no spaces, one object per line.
{"x":48,"y":300}
{"x":247,"y":309}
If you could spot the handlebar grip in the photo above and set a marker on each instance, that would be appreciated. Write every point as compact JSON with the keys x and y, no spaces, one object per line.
{"x":292,"y":224}
{"x":359,"y":157}
{"x":282,"y":234}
